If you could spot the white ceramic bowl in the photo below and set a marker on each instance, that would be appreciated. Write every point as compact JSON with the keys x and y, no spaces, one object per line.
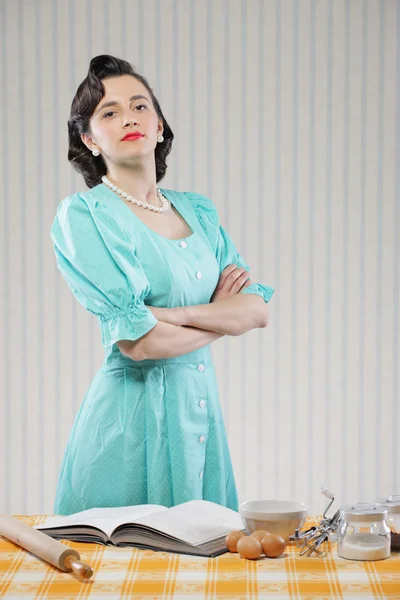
{"x":276,"y":516}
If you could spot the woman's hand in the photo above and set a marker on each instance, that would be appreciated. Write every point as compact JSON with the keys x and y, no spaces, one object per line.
{"x":231,"y":281}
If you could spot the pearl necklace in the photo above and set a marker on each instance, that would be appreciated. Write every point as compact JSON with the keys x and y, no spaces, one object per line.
{"x":130,"y":198}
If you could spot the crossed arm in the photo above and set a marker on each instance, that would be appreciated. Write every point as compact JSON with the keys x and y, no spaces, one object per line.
{"x":184,"y":329}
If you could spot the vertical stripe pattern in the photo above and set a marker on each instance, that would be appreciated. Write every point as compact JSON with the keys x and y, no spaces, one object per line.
{"x":286,"y":114}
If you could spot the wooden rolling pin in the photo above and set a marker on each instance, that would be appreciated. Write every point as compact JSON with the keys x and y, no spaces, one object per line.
{"x":42,"y":545}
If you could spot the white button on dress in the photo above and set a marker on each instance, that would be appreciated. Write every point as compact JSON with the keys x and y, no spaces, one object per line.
{"x":202,"y":438}
{"x":201,"y":474}
{"x":202,"y":403}
{"x":183,"y":244}
{"x":200,"y":367}
{"x":198,"y":274}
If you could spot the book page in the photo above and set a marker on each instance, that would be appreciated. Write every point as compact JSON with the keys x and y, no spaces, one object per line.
{"x":106,"y":519}
{"x":195,"y":522}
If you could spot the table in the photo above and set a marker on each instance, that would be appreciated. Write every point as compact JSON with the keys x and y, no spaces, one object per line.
{"x":135,"y":573}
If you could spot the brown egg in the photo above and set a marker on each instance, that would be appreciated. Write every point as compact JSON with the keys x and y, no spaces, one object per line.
{"x":249,"y":547}
{"x":273,"y":545}
{"x":232,"y":538}
{"x":259,"y":534}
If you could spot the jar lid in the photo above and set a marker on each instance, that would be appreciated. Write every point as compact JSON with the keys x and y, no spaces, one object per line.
{"x":391,"y":503}
{"x":363,"y":511}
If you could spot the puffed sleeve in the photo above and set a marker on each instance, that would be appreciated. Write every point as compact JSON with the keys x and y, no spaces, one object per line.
{"x":97,"y":260}
{"x":221,"y":242}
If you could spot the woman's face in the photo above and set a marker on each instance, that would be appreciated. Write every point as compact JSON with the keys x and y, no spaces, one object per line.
{"x":132,"y":111}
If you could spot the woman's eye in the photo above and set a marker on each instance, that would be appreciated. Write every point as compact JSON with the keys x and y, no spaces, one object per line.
{"x":111,"y":112}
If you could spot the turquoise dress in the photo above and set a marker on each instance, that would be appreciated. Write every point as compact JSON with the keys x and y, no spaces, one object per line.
{"x":149,"y":431}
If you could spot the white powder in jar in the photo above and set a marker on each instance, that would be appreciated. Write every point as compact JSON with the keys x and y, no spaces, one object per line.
{"x":364,"y":546}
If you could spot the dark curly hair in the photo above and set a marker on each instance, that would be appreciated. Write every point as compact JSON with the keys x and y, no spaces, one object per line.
{"x":87,"y":97}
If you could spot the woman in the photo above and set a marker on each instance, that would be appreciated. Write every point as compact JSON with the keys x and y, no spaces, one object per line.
{"x":165,"y":280}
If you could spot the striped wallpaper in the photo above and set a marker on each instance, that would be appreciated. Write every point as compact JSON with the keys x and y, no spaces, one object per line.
{"x":287,"y":114}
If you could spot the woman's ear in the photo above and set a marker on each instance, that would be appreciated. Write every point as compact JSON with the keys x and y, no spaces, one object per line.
{"x":87,"y":140}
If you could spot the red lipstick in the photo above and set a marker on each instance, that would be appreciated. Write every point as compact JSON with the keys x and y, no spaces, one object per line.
{"x":132,"y":135}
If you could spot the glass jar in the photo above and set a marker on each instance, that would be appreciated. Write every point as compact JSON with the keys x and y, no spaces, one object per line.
{"x":392,"y":505}
{"x":363,"y":533}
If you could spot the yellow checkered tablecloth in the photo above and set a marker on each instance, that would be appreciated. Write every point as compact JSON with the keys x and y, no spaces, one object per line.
{"x":135,"y":573}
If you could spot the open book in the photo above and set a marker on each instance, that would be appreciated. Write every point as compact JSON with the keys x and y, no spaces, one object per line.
{"x":196,"y":527}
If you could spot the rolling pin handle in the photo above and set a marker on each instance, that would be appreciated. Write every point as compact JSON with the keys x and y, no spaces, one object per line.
{"x":80,"y":568}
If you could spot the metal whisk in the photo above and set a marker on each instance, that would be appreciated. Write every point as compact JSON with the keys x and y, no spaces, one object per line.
{"x":310,"y":540}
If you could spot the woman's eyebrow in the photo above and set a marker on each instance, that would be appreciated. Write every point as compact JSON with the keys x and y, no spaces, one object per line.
{"x":113,"y":102}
